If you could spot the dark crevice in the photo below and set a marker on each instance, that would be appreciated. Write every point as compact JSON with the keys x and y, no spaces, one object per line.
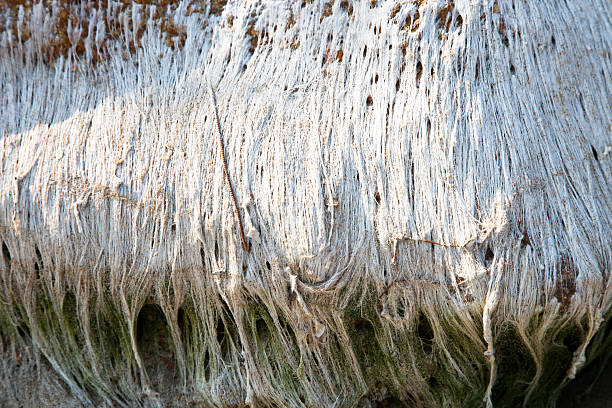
{"x":391,"y":402}
{"x":364,"y":327}
{"x":202,"y":256}
{"x":261,"y":327}
{"x":594,"y":153}
{"x":425,"y":333}
{"x":220,"y":331}
{"x":38,"y":264}
{"x":573,"y":340}
{"x":6,"y":254}
{"x":489,"y":255}
{"x":226,"y":329}
{"x":154,"y":342}
{"x":401,"y":310}
{"x":23,"y":331}
{"x":181,"y":320}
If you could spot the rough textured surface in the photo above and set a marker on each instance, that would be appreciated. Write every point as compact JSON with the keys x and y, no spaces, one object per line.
{"x":424,"y":188}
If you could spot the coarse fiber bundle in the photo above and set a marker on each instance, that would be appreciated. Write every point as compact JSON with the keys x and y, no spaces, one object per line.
{"x":262,"y":203}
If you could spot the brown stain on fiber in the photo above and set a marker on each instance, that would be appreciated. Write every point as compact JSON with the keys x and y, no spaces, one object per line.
{"x":68,"y":17}
{"x":258,"y":38}
{"x":413,"y":21}
{"x":327,"y":11}
{"x":395,"y":10}
{"x":347,"y":6}
{"x":217,"y":6}
{"x":565,"y":286}
{"x":442,"y":17}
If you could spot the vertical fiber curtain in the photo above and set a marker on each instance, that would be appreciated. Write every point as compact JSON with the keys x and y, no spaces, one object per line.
{"x":303,"y":203}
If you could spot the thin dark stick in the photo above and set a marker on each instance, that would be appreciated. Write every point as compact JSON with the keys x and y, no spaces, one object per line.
{"x":245,"y":246}
{"x":437,"y":243}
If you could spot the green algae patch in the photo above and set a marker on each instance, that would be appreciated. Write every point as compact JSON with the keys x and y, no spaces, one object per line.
{"x":420,"y":355}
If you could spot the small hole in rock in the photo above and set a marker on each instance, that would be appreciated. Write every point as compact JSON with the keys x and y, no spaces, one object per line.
{"x":553,"y":40}
{"x":369,"y":100}
{"x":268,"y":265}
{"x":365,"y":51}
{"x":377,"y":197}
{"x":397,"y":85}
{"x":376,"y":78}
{"x":512,"y":69}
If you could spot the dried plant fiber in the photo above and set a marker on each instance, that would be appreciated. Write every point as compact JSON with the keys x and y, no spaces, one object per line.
{"x":423,"y":189}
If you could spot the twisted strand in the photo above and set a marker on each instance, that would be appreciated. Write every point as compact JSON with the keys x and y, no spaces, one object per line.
{"x":245,"y":246}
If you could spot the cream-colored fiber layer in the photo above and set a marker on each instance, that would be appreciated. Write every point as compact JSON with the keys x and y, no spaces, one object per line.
{"x":449,"y":159}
